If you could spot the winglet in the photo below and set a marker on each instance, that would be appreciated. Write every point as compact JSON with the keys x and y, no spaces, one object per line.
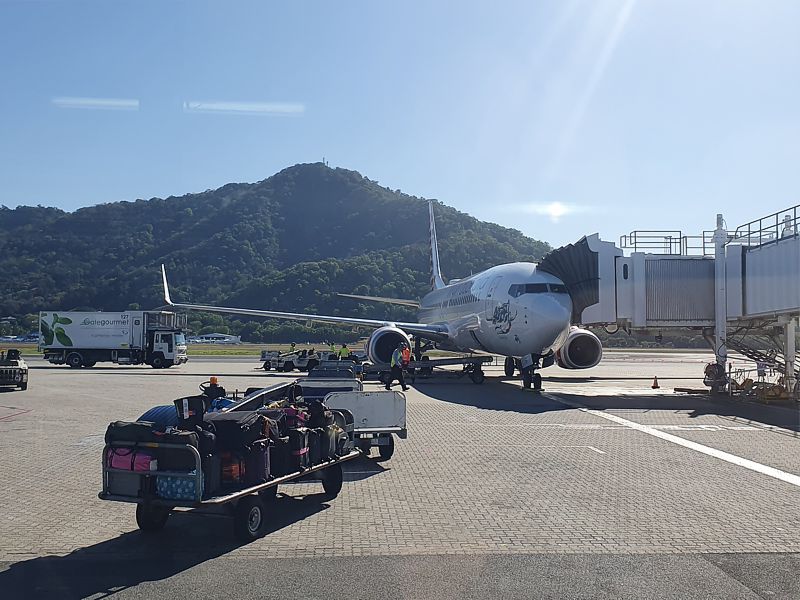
{"x":166,"y":287}
{"x":437,"y":282}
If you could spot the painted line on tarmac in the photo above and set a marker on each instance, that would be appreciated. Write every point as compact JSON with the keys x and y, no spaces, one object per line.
{"x":599,"y":426}
{"x":534,"y":446}
{"x":727,"y":457}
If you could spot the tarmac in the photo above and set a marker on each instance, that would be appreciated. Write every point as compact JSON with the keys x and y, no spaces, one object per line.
{"x":597,"y":487}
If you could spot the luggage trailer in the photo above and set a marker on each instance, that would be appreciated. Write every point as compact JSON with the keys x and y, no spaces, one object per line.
{"x":247,"y":506}
{"x":471,"y":366}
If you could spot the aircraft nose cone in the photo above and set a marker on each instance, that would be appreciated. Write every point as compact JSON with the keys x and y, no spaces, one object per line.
{"x":551,"y":320}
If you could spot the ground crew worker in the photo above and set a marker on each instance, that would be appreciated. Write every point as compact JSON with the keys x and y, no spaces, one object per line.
{"x":397,"y":368}
{"x":292,"y":347}
{"x":344,"y":352}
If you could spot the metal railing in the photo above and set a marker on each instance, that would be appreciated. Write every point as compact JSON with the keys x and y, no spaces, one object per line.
{"x":779,"y":225}
{"x":668,"y":242}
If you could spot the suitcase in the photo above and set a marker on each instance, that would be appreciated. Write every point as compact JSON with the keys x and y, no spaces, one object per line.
{"x":238,"y":430}
{"x":298,"y":445}
{"x":190,"y":411}
{"x":143,"y":431}
{"x":331,"y":440}
{"x":320,"y":416}
{"x":278,"y":417}
{"x":280,"y":454}
{"x":172,"y":487}
{"x":295,"y":417}
{"x":212,"y":474}
{"x":256,"y":468}
{"x":125,"y":484}
{"x":233,"y":468}
{"x":317,"y":438}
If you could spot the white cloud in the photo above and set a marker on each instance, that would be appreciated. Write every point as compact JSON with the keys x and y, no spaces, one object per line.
{"x":554,"y":210}
{"x":266,"y":109}
{"x":95,"y":103}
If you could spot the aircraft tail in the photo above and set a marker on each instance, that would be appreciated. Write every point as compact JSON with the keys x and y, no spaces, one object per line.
{"x":437,"y":281}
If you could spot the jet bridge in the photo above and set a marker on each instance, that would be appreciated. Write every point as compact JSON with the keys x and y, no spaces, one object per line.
{"x":741,"y":287}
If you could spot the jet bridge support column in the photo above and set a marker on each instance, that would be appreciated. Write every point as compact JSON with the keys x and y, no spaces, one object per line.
{"x":720,"y":295}
{"x":790,"y":331}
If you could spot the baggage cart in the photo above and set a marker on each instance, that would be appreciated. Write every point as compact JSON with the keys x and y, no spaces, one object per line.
{"x":377,"y":417}
{"x":247,"y":506}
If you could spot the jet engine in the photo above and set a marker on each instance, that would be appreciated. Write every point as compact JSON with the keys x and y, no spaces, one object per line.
{"x":383,"y":342}
{"x":582,"y":350}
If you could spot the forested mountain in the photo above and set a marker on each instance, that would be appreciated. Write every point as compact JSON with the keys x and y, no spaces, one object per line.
{"x":289,"y":242}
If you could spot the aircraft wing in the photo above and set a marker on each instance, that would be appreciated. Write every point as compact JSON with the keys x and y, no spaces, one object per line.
{"x":400,"y":301}
{"x":423,"y":330}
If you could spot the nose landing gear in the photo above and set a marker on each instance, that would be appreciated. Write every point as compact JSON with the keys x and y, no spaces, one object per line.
{"x":530,"y":378}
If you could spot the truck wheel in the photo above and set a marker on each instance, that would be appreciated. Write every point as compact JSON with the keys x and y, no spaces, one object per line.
{"x":267,"y":365}
{"x":387,"y":451}
{"x":287,"y":367}
{"x":74,"y":360}
{"x":151,"y":518}
{"x":332,"y":478}
{"x":90,"y":363}
{"x":248,"y":521}
{"x":477,"y":376}
{"x":157,"y":362}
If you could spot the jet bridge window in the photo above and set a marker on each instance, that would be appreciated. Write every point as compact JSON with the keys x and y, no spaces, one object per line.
{"x":518,"y":289}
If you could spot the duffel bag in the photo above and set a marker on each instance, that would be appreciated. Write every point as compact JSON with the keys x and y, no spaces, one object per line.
{"x":130,"y":459}
{"x":237,"y":430}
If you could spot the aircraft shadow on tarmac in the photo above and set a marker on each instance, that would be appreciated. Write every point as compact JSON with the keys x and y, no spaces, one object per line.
{"x":495,"y":395}
{"x":135,"y":557}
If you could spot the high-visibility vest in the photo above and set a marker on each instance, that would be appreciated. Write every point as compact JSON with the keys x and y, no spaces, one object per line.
{"x":406,"y":356}
{"x":344,"y":352}
{"x":397,"y":358}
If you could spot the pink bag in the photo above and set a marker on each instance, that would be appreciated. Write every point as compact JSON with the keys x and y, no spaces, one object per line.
{"x":129,"y":459}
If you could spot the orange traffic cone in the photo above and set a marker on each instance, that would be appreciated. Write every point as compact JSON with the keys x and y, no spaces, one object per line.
{"x":655,"y":385}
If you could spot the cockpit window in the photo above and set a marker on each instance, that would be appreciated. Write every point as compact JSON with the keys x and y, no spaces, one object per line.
{"x":518,"y":289}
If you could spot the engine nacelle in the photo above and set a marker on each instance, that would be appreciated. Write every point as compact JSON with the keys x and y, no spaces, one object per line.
{"x":582,"y":350}
{"x":383,"y":342}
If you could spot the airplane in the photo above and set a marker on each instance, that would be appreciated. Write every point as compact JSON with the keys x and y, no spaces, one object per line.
{"x":513,"y":310}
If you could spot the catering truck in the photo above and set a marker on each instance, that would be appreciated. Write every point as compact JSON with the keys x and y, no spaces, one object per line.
{"x":134,"y":337}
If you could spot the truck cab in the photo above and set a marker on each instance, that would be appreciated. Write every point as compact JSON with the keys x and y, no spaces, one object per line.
{"x":166,"y":348}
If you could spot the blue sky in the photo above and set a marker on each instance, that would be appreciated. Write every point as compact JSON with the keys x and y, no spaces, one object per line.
{"x":558,"y":118}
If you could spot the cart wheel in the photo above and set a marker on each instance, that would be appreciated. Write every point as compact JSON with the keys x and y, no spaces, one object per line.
{"x":477,"y":376}
{"x":151,"y":518}
{"x":269,"y":494}
{"x":387,"y":451}
{"x":23,"y":386}
{"x":365,"y":446}
{"x":248,"y":521}
{"x":332,"y":480}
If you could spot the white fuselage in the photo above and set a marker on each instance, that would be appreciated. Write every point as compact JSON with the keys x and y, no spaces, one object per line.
{"x":511,"y":310}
